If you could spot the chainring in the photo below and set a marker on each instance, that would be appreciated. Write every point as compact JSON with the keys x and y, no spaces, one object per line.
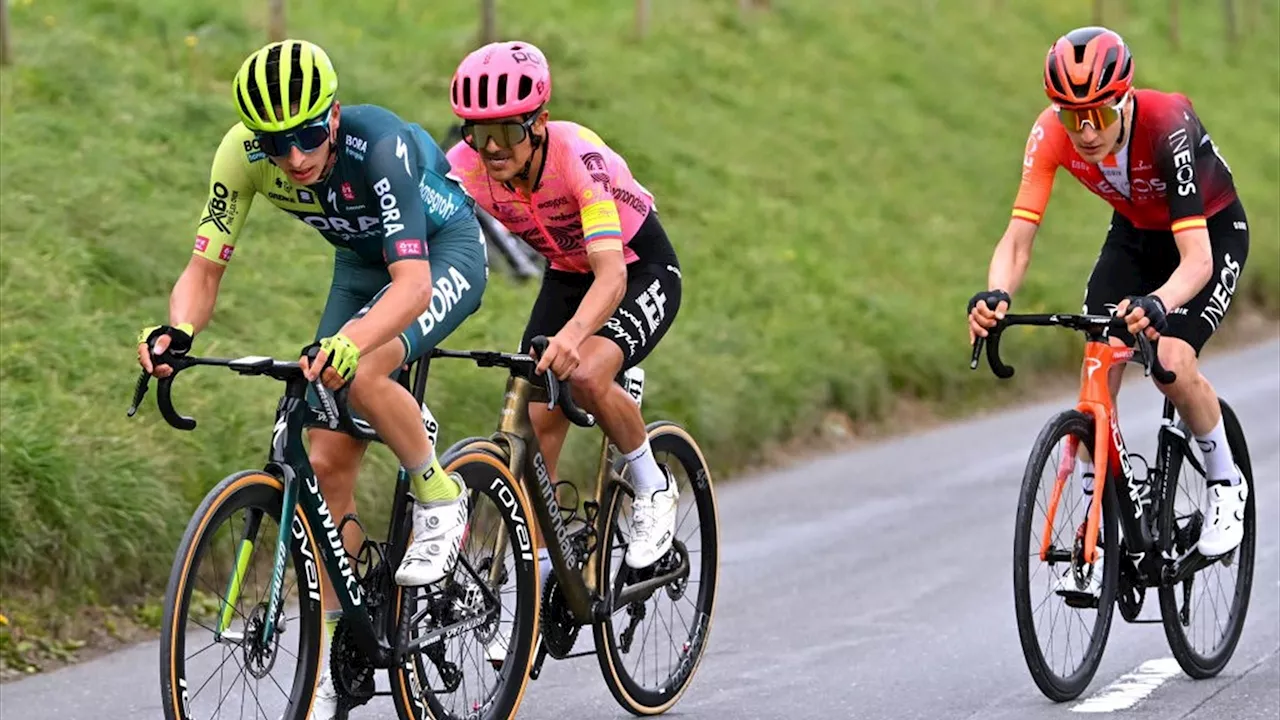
{"x":559,"y":628}
{"x":351,"y":670}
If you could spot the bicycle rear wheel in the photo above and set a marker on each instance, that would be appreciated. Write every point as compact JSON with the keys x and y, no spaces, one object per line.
{"x":682,"y":609}
{"x":216,"y":602}
{"x":1204,"y":615}
{"x":478,"y":668}
{"x":1059,"y":670}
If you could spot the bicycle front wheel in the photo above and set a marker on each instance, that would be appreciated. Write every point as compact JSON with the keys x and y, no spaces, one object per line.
{"x":1204,"y":615}
{"x":212,"y":660}
{"x":650,"y":646}
{"x":1053,"y":618}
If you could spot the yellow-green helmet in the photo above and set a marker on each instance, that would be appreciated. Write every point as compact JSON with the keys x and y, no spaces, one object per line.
{"x":294,"y":69}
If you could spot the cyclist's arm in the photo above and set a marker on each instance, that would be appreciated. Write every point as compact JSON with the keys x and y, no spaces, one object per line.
{"x":1176,"y":155}
{"x":195,"y":293}
{"x":602,"y":298}
{"x":602,"y":237}
{"x":392,"y":173}
{"x":231,"y":191}
{"x":1012,"y":256}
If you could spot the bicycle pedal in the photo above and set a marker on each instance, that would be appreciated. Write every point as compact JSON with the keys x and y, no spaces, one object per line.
{"x":1078,"y":599}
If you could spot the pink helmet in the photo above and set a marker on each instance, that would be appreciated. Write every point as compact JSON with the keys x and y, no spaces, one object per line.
{"x":501,"y":79}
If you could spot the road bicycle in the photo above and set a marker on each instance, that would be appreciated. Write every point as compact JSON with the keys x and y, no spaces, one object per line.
{"x":404,"y":631}
{"x":1140,"y":530}
{"x":589,"y":584}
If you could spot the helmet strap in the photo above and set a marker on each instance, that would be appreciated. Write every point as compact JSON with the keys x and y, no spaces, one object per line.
{"x":537,"y":142}
{"x":1123,"y":138}
{"x":329,"y":164}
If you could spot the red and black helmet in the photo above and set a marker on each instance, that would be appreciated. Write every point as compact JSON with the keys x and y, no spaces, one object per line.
{"x":1088,"y":66}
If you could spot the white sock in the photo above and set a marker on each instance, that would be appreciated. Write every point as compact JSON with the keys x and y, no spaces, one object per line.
{"x":1218,"y":463}
{"x":645,"y":475}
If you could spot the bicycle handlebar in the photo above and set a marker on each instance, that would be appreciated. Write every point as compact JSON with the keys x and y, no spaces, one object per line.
{"x":335,"y":414}
{"x":1085,"y":323}
{"x":558,"y":391}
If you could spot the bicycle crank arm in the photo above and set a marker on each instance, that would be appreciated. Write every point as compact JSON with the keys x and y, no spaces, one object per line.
{"x":1188,"y":565}
{"x":642,"y":590}
{"x":447,"y":632}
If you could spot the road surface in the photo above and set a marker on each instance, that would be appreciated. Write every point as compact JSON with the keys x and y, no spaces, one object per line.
{"x":876,"y":583}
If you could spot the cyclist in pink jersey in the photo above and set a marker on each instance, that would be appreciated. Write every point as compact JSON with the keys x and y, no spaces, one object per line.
{"x":613,"y":285}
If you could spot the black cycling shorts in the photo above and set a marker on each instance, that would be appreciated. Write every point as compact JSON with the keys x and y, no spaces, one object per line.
{"x":1138,"y":262}
{"x":647,"y":309}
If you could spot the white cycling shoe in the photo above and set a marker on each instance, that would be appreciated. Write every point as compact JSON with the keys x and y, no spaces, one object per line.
{"x":1067,"y":583}
{"x":653,"y":524}
{"x":438,"y":528}
{"x":1224,"y":517}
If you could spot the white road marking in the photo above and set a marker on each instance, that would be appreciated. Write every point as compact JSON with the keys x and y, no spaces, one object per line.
{"x":1129,"y":689}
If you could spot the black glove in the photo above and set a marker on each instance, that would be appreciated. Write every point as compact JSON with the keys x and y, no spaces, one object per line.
{"x":992,"y":299}
{"x":1153,"y":307}
{"x":179,"y":338}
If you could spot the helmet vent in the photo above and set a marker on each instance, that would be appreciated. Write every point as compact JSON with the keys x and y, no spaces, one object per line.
{"x":483,"y":99}
{"x":273,"y":81}
{"x":502,"y":89}
{"x":1108,"y":67}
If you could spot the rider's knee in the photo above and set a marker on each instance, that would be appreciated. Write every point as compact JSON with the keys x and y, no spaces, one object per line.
{"x":375,"y":367}
{"x":1179,"y":358}
{"x":591,"y":381}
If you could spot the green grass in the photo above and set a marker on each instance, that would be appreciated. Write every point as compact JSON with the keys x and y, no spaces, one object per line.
{"x":833,"y":174}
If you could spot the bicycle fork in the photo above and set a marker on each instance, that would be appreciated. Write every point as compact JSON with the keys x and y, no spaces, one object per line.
{"x":1110,"y":454}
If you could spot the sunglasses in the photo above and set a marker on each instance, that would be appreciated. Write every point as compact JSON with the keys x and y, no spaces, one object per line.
{"x":1100,"y":117}
{"x":506,"y":134}
{"x":307,"y":138}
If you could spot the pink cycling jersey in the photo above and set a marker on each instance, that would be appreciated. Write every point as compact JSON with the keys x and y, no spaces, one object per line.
{"x":585,"y":194}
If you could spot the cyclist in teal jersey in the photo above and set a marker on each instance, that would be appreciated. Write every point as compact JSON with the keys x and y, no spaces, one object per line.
{"x":409,"y":267}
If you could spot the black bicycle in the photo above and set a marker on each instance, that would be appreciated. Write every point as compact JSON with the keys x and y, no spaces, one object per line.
{"x":1140,"y":532}
{"x":650,"y":626}
{"x":263,"y":612}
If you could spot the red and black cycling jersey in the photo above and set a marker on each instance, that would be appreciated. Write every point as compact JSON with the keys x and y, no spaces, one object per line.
{"x":1168,"y":176}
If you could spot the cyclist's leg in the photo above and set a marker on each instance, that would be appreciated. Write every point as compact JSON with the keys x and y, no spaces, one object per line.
{"x":647,"y":311}
{"x":1189,"y":328}
{"x":335,"y":457}
{"x":459,"y":275}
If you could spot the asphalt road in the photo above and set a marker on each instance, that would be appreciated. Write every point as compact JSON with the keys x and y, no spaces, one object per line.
{"x":876,"y":584}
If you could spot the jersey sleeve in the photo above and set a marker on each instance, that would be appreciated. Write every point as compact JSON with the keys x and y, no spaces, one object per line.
{"x":1178,"y":138}
{"x":231,"y":191}
{"x":1039,"y":166}
{"x":587,"y":172}
{"x":392,"y":172}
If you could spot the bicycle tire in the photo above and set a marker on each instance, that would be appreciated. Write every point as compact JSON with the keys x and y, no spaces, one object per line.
{"x":1193,"y":662}
{"x":1053,"y":685}
{"x":259,"y":491}
{"x":632,"y":695}
{"x":484,"y":470}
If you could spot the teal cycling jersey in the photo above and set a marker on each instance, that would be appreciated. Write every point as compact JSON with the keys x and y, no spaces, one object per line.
{"x":390,"y":192}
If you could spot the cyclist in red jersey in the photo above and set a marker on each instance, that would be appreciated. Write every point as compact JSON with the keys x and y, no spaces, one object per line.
{"x":1175,"y":248}
{"x":613,"y":284}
